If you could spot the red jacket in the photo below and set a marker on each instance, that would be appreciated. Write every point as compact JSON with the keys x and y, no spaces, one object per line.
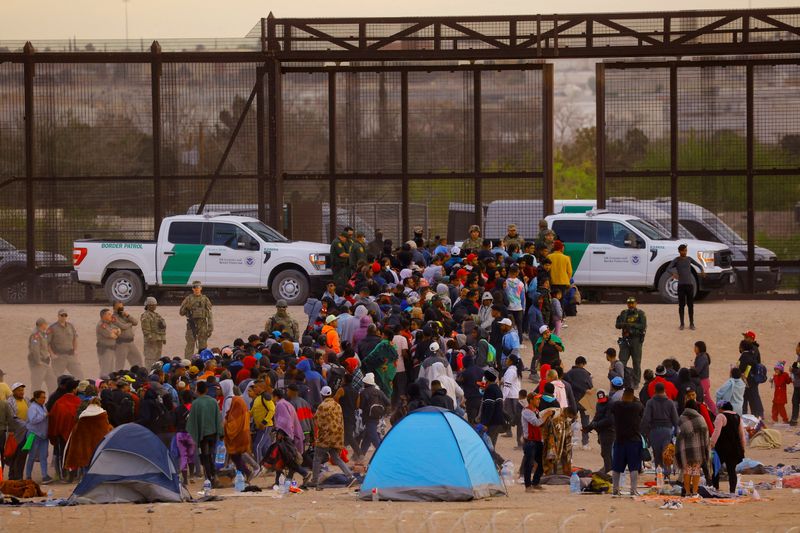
{"x":669,"y":388}
{"x":780,"y":382}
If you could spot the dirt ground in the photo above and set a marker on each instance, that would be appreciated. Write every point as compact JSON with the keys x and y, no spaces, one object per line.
{"x":719,"y":325}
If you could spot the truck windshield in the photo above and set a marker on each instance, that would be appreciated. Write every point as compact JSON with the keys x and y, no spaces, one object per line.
{"x":264,"y":232}
{"x":724,"y":231}
{"x":648,"y":229}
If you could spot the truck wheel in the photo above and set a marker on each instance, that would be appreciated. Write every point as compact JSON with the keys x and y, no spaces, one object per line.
{"x":668,"y":288}
{"x":16,"y":293}
{"x":292,"y":286}
{"x":125,"y":286}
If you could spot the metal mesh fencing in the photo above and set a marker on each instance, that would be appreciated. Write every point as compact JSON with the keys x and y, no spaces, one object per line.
{"x":93,"y":119}
{"x":776,"y":102}
{"x":512,"y":201}
{"x":440,"y":121}
{"x":442,"y":207}
{"x":201,"y":103}
{"x":305,"y":122}
{"x":307,"y":210}
{"x":511,"y":120}
{"x":12,"y":120}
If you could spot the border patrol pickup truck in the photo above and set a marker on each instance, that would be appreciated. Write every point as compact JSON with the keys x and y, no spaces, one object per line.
{"x":613,"y":250}
{"x":232,"y":252}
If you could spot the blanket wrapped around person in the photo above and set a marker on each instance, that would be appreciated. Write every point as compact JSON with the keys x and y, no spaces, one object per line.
{"x":692,"y":445}
{"x":90,"y":429}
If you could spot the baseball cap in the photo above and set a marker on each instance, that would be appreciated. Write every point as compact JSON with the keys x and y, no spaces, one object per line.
{"x":617,"y":381}
{"x":661,"y":371}
{"x":750,"y":334}
{"x":487,"y":296}
{"x":455,"y":250}
{"x":325,"y":391}
{"x":471,"y":257}
{"x":62,"y":312}
{"x":83,"y":385}
{"x":434,"y":347}
{"x":505,"y":322}
{"x":17,"y":385}
{"x":330,"y":318}
{"x":542,"y":329}
{"x":127,"y":378}
{"x":631,"y":300}
{"x":280,"y":303}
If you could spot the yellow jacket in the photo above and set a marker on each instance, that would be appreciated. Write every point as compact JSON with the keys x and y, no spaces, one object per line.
{"x":262,"y":412}
{"x":561,"y":269}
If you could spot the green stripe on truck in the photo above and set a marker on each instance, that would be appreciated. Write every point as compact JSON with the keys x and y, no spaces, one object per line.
{"x":575,"y":251}
{"x":179,"y":267}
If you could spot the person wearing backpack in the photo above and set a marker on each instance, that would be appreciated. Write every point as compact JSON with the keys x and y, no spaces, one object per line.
{"x":754,"y":373}
{"x":373,"y":404}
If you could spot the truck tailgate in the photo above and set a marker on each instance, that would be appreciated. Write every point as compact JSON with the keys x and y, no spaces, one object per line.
{"x":93,"y":258}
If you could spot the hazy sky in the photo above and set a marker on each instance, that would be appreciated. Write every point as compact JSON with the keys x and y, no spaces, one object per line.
{"x":149,"y":19}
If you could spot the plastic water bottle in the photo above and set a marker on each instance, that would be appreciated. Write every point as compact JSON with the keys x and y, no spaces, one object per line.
{"x":750,"y":488}
{"x":779,"y":481}
{"x":702,"y":481}
{"x":293,"y":485}
{"x":207,"y":487}
{"x":507,"y":473}
{"x":287,"y":485}
{"x":50,"y":502}
{"x":375,"y":496}
{"x":574,"y":484}
{"x":739,"y":488}
{"x":238,"y":482}
{"x":659,"y":478}
{"x":219,"y":457}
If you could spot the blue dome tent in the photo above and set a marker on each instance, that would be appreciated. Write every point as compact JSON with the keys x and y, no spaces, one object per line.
{"x":130,"y":465}
{"x":432,"y":455}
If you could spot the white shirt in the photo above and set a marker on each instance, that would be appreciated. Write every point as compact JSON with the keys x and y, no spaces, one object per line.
{"x":511,"y":384}
{"x":400,"y":343}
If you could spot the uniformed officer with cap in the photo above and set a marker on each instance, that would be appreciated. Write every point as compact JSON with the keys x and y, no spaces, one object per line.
{"x":126,"y":350}
{"x":513,"y":237}
{"x":340,"y":259}
{"x":63,"y":339}
{"x":39,"y":359}
{"x":107,"y":333}
{"x":154,"y":330}
{"x":199,"y":321}
{"x":475,"y":241}
{"x":633,"y":323}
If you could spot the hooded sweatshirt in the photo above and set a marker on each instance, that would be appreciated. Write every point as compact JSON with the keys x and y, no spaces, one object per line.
{"x":439,"y":373}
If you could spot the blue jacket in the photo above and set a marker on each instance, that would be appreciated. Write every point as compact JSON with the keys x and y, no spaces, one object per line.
{"x":732,"y":391}
{"x":37,"y":420}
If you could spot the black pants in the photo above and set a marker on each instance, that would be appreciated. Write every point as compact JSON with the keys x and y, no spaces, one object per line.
{"x":795,"y":403}
{"x":532,"y":452}
{"x":686,"y":299}
{"x":400,"y":386}
{"x":731,"y":467}
{"x":473,"y":409}
{"x":606,"y":445}
{"x":752,"y":402}
{"x":16,"y":466}
{"x":208,"y":447}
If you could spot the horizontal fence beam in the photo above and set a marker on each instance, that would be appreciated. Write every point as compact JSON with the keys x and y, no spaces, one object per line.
{"x":689,"y":173}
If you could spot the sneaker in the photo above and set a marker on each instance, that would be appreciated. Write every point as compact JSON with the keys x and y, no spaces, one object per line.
{"x":667,"y":505}
{"x":635,"y":492}
{"x":46,"y":480}
{"x":616,"y":494}
{"x":793,"y":423}
{"x":677,"y":505}
{"x":681,"y":327}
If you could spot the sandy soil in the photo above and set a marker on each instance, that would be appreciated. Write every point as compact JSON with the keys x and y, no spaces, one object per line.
{"x":719,"y":325}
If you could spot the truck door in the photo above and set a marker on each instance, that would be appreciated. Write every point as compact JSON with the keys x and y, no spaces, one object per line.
{"x":618,"y":255}
{"x":233,"y":257}
{"x":573,"y":234}
{"x":179,"y":254}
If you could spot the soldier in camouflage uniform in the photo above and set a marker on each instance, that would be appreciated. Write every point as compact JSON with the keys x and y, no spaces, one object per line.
{"x":358,"y":252}
{"x":199,"y":322}
{"x":126,"y":349}
{"x":281,"y":320}
{"x":340,"y":260}
{"x":474,"y":243}
{"x":514,"y":238}
{"x":39,"y":358}
{"x":107,"y":332}
{"x":154,"y":330}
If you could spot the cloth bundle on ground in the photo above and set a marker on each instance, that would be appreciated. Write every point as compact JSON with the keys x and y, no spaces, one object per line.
{"x":750,"y":467}
{"x":766,"y":439}
{"x":21,"y":488}
{"x":88,"y":432}
{"x":793,"y":448}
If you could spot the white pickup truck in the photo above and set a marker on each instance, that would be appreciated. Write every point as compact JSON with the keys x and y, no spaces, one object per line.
{"x":613,"y":250}
{"x":232,"y":252}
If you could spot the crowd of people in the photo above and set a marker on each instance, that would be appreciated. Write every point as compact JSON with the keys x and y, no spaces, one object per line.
{"x":396,"y":330}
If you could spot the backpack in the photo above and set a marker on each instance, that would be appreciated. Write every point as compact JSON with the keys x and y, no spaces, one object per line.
{"x":760,"y":373}
{"x":335,"y":378}
{"x":123,"y":413}
{"x":376,"y":410}
{"x":491,"y":354}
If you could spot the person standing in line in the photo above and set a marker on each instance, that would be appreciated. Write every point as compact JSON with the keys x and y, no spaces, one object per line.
{"x":749,"y":359}
{"x":330,"y":435}
{"x":204,"y":424}
{"x":603,"y":424}
{"x":702,"y":364}
{"x":627,"y":451}
{"x":681,"y":270}
{"x":373,"y":404}
{"x":659,"y":422}
{"x":533,"y":447}
{"x":154,"y":331}
{"x":633,"y":324}
{"x":795,"y":371}
{"x":64,"y":346}
{"x":106,"y":332}
{"x":37,"y":425}
{"x":39,"y":359}
{"x":126,"y":349}
{"x":196,"y":307}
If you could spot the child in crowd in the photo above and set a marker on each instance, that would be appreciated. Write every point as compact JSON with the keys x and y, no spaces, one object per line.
{"x":779,"y":381}
{"x":557,"y":311}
